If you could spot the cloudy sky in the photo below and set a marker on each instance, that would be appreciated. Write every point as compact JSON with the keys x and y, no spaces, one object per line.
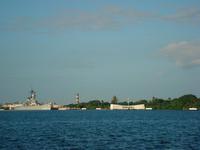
{"x":99,"y":48}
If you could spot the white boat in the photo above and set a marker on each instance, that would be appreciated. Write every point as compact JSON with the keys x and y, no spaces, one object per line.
{"x":193,"y":108}
{"x":33,"y":104}
{"x":148,"y":108}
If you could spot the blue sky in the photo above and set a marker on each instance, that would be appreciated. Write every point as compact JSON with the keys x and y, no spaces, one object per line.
{"x":99,"y":48}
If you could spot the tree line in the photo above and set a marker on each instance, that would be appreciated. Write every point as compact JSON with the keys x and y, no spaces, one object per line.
{"x":183,"y":102}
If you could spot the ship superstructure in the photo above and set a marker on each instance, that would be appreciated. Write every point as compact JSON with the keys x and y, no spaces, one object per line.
{"x":31,"y":100}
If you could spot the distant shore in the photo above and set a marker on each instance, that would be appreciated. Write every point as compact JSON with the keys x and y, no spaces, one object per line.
{"x":185,"y":102}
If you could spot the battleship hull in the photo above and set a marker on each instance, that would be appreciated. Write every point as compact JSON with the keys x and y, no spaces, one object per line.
{"x":37,"y":107}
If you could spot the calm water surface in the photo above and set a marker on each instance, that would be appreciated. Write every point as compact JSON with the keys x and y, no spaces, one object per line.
{"x":100,"y":130}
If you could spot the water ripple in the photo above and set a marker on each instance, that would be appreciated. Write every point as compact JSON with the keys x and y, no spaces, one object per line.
{"x":99,"y":130}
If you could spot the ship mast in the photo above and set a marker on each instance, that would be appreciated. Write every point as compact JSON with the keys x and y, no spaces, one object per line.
{"x":33,"y":94}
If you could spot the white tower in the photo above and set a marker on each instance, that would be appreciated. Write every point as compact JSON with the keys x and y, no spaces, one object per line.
{"x":77,"y":98}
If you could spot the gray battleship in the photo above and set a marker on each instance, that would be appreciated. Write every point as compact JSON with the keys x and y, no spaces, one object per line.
{"x":33,"y":104}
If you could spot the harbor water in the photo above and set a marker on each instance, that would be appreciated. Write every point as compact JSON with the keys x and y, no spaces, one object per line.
{"x":103,"y":129}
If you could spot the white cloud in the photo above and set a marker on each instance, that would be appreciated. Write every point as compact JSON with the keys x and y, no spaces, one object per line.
{"x":184,"y":53}
{"x":184,"y":15}
{"x":110,"y":17}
